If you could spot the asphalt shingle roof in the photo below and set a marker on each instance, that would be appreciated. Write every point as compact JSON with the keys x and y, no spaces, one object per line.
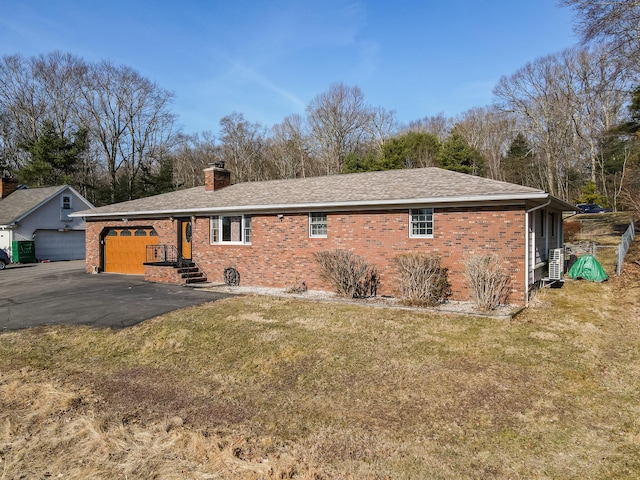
{"x":21,"y":202}
{"x":371,"y":188}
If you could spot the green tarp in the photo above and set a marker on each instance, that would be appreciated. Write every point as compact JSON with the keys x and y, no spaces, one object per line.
{"x":589,"y":268}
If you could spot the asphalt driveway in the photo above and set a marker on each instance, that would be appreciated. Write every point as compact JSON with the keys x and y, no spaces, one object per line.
{"x":61,"y":293}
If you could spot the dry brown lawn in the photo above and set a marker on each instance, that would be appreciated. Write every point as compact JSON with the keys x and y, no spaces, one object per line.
{"x":271,"y":388}
{"x":603,"y":230}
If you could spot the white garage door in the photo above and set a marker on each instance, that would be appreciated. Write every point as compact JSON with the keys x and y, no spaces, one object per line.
{"x":56,"y":245}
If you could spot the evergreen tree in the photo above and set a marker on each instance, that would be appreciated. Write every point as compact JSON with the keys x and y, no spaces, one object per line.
{"x":590,"y":194}
{"x":410,"y":150}
{"x":158,"y":181}
{"x":517,"y":162}
{"x":53,"y":158}
{"x":354,"y":163}
{"x":456,"y":154}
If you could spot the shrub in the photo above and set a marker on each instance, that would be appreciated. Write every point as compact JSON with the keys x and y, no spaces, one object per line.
{"x":488,"y":279}
{"x":421,"y":279}
{"x":351,"y":275}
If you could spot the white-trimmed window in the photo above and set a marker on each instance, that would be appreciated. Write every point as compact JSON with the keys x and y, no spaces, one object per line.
{"x":230,"y":229}
{"x":421,"y":222}
{"x":317,"y":225}
{"x":65,"y":202}
{"x":247,"y":229}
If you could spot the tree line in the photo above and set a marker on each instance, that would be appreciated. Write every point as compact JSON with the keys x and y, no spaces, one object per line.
{"x":567,"y":123}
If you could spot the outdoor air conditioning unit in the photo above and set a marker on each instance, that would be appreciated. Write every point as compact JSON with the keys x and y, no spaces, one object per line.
{"x":556,"y":263}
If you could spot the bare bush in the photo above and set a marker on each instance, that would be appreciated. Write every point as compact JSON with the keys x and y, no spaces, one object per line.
{"x":421,"y":279}
{"x":351,"y":275}
{"x":488,"y":279}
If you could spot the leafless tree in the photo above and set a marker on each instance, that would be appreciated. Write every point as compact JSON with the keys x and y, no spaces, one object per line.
{"x":242,"y":143}
{"x":565,"y":103}
{"x":438,"y":125}
{"x":289,"y":149}
{"x":129,"y":118}
{"x":192,"y":154}
{"x":629,"y":190}
{"x":32,"y":91}
{"x":338,"y":119}
{"x":600,"y":92}
{"x":57,"y":76}
{"x":536,"y":96}
{"x":381,"y":126}
{"x":9,"y":161}
{"x":490,"y":131}
{"x":616,"y":22}
{"x":18,"y":96}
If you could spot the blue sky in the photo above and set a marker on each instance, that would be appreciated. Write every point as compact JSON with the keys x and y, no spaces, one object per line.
{"x":267,"y":60}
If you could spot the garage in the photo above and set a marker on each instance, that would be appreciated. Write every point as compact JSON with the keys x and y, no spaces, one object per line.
{"x":125,"y":249}
{"x":60,"y":245}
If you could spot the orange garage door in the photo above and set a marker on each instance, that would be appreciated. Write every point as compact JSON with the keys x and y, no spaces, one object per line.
{"x":125,"y":249}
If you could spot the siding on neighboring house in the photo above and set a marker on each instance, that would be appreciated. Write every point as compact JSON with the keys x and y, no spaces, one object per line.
{"x":42,"y":215}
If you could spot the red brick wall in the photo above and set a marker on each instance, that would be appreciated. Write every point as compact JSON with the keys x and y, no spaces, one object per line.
{"x":216,"y":178}
{"x":281,"y":253}
{"x":7,"y":186}
{"x":162,"y":274}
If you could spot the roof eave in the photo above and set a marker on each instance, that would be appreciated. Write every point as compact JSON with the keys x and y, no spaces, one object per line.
{"x":457,"y":200}
{"x":36,"y":207}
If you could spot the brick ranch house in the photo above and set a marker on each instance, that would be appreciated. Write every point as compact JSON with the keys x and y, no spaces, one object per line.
{"x":268,"y":231}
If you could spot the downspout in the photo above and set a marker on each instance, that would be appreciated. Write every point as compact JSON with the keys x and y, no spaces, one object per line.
{"x":526,"y":246}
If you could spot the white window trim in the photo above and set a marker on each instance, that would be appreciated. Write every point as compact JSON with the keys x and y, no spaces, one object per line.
{"x":426,"y":235}
{"x":218,"y":218}
{"x":62,"y":197}
{"x":326,"y":223}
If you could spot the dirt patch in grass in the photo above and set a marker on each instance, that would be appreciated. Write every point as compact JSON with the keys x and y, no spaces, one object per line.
{"x":260,"y":387}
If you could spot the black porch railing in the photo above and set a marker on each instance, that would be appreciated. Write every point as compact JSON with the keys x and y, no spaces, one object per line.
{"x":164,"y":254}
{"x":168,"y":256}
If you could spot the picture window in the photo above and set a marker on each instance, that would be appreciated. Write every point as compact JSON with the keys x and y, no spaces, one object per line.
{"x":234,"y":229}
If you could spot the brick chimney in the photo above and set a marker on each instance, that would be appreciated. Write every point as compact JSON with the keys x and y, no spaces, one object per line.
{"x":216,"y":177}
{"x":8,"y":186}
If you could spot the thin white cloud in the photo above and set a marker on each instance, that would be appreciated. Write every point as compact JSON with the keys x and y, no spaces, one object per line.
{"x":241,"y":71}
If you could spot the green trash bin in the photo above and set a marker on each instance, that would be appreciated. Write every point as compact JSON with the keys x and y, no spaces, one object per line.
{"x":23,"y":251}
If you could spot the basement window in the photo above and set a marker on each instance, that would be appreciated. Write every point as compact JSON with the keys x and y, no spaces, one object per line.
{"x":421,"y":223}
{"x":234,"y":229}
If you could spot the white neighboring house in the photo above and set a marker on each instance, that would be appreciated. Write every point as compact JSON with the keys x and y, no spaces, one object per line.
{"x":42,"y":215}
